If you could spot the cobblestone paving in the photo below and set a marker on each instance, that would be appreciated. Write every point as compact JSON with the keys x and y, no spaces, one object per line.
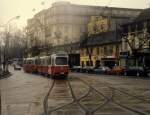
{"x":80,"y":94}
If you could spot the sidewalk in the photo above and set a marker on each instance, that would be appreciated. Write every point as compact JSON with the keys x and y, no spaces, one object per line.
{"x":23,"y":94}
{"x":4,"y":75}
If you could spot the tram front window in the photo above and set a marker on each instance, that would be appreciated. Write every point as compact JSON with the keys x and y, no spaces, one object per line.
{"x":61,"y":61}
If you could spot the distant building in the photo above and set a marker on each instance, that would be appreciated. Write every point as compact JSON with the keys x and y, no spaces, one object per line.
{"x":65,"y":23}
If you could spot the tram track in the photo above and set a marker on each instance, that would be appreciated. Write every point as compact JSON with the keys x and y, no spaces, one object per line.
{"x":91,"y":89}
{"x":136,"y":97}
{"x":45,"y":102}
{"x":91,"y":112}
{"x":116,"y":103}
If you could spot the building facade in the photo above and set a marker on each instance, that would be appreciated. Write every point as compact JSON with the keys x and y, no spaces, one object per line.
{"x":65,"y":23}
{"x":136,"y":41}
{"x":103,"y":49}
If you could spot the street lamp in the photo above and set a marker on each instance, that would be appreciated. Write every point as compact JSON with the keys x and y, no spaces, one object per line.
{"x":5,"y":54}
{"x":14,"y":18}
{"x":1,"y":47}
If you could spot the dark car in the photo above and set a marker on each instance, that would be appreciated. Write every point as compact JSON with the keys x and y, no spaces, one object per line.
{"x":101,"y":70}
{"x":76,"y":68}
{"x":148,"y":72}
{"x":135,"y":71}
{"x":90,"y":69}
{"x":83,"y":69}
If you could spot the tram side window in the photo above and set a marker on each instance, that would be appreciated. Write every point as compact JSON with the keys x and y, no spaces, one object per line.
{"x":24,"y":62}
{"x":53,"y":61}
{"x":41,"y":62}
{"x":32,"y":61}
{"x":36,"y":61}
{"x":49,"y":61}
{"x":29,"y":62}
{"x":46,"y":61}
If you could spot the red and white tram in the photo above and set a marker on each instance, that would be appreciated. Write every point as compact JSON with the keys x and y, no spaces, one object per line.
{"x":58,"y":65}
{"x":53,"y":65}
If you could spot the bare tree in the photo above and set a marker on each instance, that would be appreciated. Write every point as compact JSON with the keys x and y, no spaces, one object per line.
{"x":84,"y":42}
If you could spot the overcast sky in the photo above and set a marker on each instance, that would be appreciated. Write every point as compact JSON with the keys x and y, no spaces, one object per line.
{"x":11,"y":8}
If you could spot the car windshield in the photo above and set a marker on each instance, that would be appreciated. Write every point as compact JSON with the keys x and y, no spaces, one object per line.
{"x":61,"y":61}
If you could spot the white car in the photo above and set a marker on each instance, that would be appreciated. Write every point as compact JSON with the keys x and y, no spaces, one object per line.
{"x":17,"y":67}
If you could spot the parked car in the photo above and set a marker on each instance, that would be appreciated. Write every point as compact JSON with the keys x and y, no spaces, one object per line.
{"x":90,"y":69}
{"x":101,"y":70}
{"x":116,"y":70}
{"x":135,"y":71}
{"x":17,"y":67}
{"x":148,"y":73}
{"x":83,"y":69}
{"x":76,"y":68}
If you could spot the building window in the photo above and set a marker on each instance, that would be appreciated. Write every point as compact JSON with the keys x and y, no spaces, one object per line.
{"x":97,"y":50}
{"x":105,"y":50}
{"x":140,"y":26}
{"x":110,"y":51}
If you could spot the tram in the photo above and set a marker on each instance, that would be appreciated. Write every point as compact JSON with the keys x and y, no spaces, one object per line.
{"x":54,"y":65}
{"x":29,"y":65}
{"x":58,"y":65}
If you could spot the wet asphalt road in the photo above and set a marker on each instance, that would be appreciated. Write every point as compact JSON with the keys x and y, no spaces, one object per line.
{"x":80,"y":94}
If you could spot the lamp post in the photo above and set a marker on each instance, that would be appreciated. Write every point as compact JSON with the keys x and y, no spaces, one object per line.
{"x":1,"y":47}
{"x":6,"y":44}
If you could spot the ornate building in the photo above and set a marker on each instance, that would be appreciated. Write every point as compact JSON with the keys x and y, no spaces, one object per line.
{"x":65,"y":23}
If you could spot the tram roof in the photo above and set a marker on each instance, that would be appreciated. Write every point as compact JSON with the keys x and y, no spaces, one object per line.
{"x":44,"y":57}
{"x":31,"y":58}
